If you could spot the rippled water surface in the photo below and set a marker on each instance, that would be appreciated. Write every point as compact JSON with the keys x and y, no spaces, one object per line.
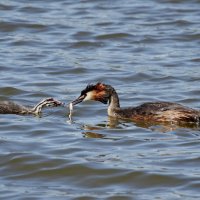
{"x":147,"y":50}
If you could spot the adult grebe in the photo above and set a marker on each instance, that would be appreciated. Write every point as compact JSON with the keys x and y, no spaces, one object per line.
{"x":9,"y":107}
{"x":149,"y":112}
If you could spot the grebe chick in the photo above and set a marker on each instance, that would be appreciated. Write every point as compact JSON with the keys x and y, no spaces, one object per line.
{"x":150,"y":112}
{"x":9,"y":107}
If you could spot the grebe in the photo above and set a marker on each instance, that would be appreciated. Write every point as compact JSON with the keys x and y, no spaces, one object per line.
{"x":9,"y":107}
{"x":158,"y":112}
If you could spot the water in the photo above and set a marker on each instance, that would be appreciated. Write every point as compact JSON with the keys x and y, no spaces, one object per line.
{"x":147,"y":50}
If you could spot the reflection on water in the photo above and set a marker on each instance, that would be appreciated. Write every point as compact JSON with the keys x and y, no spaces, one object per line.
{"x":114,"y":123}
{"x":147,"y":50}
{"x":89,"y":134}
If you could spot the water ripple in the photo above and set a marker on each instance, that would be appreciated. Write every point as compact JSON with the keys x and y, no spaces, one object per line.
{"x":147,"y":50}
{"x":6,"y":26}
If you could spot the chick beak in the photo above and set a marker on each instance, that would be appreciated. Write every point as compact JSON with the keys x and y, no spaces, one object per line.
{"x":54,"y":102}
{"x":58,"y":103}
{"x":78,"y":100}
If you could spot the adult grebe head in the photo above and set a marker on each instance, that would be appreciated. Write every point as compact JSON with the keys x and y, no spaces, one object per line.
{"x":98,"y":92}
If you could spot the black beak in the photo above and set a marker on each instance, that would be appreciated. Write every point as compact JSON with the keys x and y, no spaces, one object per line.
{"x":58,"y":103}
{"x":78,"y":100}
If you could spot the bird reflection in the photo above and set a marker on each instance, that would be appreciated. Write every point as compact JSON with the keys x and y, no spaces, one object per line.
{"x":91,"y":131}
{"x":152,"y":125}
{"x":89,"y":134}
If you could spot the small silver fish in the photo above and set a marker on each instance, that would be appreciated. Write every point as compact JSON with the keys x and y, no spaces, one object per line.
{"x":70,"y":111}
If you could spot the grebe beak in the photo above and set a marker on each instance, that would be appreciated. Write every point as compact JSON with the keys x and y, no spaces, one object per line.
{"x":78,"y":100}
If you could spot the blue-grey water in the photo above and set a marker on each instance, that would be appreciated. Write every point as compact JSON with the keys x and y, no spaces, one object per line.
{"x":147,"y":50}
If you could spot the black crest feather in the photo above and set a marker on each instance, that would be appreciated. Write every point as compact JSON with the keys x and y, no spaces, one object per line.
{"x":89,"y":88}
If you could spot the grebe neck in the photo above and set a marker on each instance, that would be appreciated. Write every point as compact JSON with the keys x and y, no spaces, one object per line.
{"x":113,"y":103}
{"x":37,"y":109}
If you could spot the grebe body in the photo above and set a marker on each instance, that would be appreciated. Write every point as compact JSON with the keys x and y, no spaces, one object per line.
{"x":158,"y":112}
{"x":149,"y":112}
{"x":9,"y":107}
